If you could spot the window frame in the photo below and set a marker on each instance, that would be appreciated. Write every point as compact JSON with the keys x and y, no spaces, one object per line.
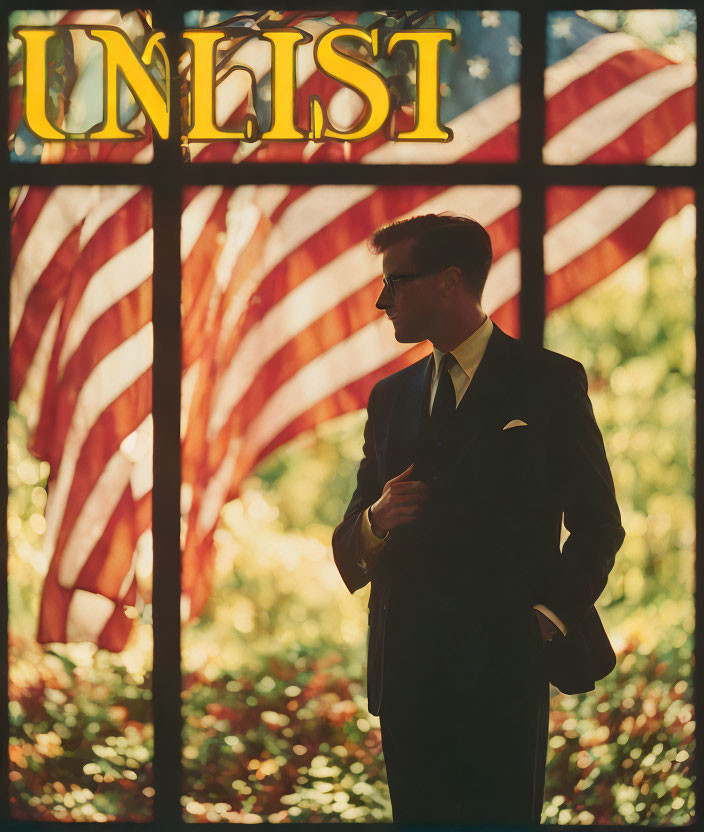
{"x":167,"y":175}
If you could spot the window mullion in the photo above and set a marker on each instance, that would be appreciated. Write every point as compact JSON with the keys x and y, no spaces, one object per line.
{"x":166,"y":405}
{"x":532,"y":211}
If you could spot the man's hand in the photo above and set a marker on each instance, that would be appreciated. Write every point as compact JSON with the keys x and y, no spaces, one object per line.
{"x":401,"y":501}
{"x":547,"y":629}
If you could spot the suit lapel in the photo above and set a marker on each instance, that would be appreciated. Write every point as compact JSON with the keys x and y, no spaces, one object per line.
{"x":409,"y":412}
{"x":492,"y":382}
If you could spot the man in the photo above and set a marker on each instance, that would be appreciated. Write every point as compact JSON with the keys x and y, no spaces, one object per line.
{"x":472,"y":456}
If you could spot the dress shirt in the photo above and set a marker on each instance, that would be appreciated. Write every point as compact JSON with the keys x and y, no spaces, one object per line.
{"x":468,"y":356}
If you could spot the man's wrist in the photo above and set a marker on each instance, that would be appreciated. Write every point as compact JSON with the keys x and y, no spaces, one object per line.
{"x":380,"y":533}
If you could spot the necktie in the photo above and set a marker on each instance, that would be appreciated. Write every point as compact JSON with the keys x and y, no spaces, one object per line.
{"x":445,"y":402}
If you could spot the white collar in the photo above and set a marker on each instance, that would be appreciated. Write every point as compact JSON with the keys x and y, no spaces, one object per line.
{"x":469,"y":353}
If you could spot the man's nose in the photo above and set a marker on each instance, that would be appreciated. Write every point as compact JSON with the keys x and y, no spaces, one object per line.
{"x":385,"y":299}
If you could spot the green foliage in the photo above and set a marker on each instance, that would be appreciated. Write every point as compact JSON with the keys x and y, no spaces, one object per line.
{"x":296,"y":744}
{"x":81,"y":737}
{"x":635,"y":335}
{"x":623,"y":754}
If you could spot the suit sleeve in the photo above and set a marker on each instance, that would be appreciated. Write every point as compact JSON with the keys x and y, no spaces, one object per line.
{"x":591,"y":514}
{"x":352,"y":558}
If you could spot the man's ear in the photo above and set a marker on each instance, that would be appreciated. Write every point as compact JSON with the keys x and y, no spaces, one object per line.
{"x":451,"y":277}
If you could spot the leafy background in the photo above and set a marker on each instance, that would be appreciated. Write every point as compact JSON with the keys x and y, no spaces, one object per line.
{"x":276,"y":727}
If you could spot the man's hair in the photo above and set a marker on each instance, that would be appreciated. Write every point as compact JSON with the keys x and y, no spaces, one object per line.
{"x":439,"y":241}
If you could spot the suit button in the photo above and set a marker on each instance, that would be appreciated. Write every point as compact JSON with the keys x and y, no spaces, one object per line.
{"x":439,"y":444}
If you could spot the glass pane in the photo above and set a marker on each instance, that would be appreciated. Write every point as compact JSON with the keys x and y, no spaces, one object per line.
{"x":281,"y":345}
{"x":624,"y":753}
{"x":74,"y":89}
{"x":620,"y":87}
{"x":478,"y":90}
{"x":79,"y":509}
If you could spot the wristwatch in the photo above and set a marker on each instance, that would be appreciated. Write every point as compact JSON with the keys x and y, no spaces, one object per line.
{"x":371,"y":523}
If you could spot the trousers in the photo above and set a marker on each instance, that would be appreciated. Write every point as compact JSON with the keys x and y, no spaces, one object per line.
{"x":465,"y":727}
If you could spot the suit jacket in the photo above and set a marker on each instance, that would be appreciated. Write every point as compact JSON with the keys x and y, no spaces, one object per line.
{"x":487,"y":545}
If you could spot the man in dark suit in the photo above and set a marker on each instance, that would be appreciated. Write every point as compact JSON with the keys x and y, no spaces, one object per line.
{"x":472,"y":457}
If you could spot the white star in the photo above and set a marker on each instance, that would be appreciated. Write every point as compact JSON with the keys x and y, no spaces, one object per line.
{"x":562,"y":28}
{"x":490,"y":19}
{"x":478,"y":67}
{"x":514,"y":46}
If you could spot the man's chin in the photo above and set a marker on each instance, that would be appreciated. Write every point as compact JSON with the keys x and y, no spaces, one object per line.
{"x":403,"y":338}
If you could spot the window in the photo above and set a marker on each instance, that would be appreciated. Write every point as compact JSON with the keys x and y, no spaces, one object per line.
{"x":212,"y":305}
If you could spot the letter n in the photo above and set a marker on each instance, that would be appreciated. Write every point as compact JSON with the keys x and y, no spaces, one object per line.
{"x":119,"y":57}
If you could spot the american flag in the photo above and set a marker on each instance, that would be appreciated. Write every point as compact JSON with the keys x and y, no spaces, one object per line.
{"x":279,"y":330}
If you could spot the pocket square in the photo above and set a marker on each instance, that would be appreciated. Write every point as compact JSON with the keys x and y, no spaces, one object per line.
{"x":515,"y":423}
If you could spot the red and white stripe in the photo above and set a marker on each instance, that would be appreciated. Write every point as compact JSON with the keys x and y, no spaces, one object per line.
{"x":280,"y":331}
